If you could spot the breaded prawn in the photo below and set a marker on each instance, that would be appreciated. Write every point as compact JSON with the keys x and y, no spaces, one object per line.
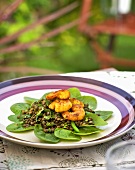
{"x":60,"y":94}
{"x":60,"y":105}
{"x":76,"y":101}
{"x":77,"y":113}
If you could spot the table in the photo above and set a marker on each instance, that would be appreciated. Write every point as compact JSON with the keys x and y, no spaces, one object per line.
{"x":19,"y":157}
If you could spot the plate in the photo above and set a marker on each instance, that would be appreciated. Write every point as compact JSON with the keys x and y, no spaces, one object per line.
{"x":108,"y":97}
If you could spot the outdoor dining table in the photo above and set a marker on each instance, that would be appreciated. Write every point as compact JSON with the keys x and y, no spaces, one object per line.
{"x":21,"y":157}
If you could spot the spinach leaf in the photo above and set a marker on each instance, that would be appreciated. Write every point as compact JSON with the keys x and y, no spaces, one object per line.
{"x":66,"y":134}
{"x":17,"y":127}
{"x":90,"y":100}
{"x":14,"y":118}
{"x":30,"y":100}
{"x":74,"y":92}
{"x":47,"y":137}
{"x":18,"y":107}
{"x":97,"y":120}
{"x":104,"y":114}
{"x":83,"y":131}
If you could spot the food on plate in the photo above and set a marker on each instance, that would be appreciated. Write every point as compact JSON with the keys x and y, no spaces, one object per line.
{"x":77,"y":113}
{"x":60,"y":94}
{"x":58,"y":115}
{"x":60,"y":105}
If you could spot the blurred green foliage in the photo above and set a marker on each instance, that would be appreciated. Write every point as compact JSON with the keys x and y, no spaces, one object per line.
{"x":67,"y":52}
{"x":60,"y":52}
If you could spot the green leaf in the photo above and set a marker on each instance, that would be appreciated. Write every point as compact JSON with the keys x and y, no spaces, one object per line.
{"x":39,"y":113}
{"x":14,"y":118}
{"x":17,"y":127}
{"x":66,"y":134}
{"x":90,"y":100}
{"x":74,"y":92}
{"x":30,"y":100}
{"x":18,"y":107}
{"x":105,"y":115}
{"x":47,"y":137}
{"x":50,"y":123}
{"x":97,"y":120}
{"x":74,"y":126}
{"x":47,"y":117}
{"x":83,"y":131}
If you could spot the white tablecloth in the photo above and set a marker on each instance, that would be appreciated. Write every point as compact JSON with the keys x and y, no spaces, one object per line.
{"x":19,"y":157}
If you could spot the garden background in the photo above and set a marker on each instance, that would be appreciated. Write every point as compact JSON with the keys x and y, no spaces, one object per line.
{"x":68,"y":51}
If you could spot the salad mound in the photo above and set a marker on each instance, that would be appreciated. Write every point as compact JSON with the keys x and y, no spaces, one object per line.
{"x":60,"y":115}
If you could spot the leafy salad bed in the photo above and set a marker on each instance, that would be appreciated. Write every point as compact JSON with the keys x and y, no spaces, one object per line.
{"x":50,"y":126}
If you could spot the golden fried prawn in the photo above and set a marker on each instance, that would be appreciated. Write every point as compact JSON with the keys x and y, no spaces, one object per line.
{"x":60,"y":94}
{"x":51,"y":96}
{"x":75,"y":101}
{"x":63,"y":94}
{"x":60,"y":105}
{"x":77,"y":113}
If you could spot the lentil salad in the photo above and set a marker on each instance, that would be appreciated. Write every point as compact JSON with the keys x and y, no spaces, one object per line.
{"x":51,"y":126}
